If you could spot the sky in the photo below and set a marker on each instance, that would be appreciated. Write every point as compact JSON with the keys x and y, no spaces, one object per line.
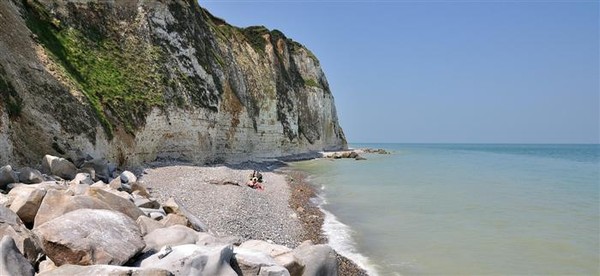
{"x":448,"y":71}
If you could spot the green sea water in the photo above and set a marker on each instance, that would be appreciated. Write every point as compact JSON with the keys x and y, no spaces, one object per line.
{"x":463,"y":209}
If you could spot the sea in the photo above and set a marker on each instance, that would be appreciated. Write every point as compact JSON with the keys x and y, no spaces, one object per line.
{"x":464,"y":209}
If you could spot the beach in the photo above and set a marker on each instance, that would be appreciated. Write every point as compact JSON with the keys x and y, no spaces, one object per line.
{"x":282,"y":214}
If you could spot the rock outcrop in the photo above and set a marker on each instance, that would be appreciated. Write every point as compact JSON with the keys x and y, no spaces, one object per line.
{"x":133,"y":81}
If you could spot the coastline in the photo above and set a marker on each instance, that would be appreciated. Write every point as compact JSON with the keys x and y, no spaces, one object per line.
{"x":283,"y":214}
{"x":312,"y":217}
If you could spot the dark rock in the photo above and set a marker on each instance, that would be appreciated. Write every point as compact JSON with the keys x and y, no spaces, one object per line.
{"x":11,"y":225}
{"x":7,"y":176}
{"x":30,"y":176}
{"x":101,"y":168}
{"x":12,"y":262}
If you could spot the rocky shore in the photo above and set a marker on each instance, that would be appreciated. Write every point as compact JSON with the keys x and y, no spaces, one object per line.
{"x":167,"y":219}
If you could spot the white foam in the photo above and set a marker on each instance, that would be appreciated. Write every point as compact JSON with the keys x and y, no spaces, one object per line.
{"x":340,"y":239}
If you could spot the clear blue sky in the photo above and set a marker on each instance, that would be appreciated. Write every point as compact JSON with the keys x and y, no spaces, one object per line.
{"x":448,"y":71}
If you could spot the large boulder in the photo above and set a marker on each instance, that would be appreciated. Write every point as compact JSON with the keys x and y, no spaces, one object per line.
{"x":113,"y":270}
{"x":12,"y":226}
{"x":173,"y":206}
{"x":191,"y":259}
{"x":57,"y":203}
{"x":318,"y":259}
{"x":12,"y":262}
{"x":116,"y":202}
{"x":30,"y":176}
{"x":88,"y":237}
{"x":172,"y":236}
{"x":282,"y":255}
{"x":59,"y":166}
{"x":250,"y":261}
{"x":7,"y":176}
{"x":26,"y":201}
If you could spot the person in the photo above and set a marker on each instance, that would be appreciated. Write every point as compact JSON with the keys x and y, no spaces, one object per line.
{"x":254,"y":184}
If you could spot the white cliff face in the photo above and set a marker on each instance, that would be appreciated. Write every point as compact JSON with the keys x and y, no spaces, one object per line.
{"x":229,"y":95}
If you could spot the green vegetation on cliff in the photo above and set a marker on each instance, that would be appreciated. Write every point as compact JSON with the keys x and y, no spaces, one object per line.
{"x":118,"y":75}
{"x":12,"y":102}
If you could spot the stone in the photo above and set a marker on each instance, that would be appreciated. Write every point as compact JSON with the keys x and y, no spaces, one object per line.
{"x":30,"y":176}
{"x":148,"y":225}
{"x":12,"y":262}
{"x":318,"y":259}
{"x":113,"y":270}
{"x":59,"y":166}
{"x":88,"y":237}
{"x":139,"y":187}
{"x":156,"y":214}
{"x":115,"y":184}
{"x":101,"y":168}
{"x":57,"y":203}
{"x":146,"y":203}
{"x":11,"y":225}
{"x":282,"y":255}
{"x":26,"y":202}
{"x":171,"y":236}
{"x":116,"y":202}
{"x":273,"y":271}
{"x":46,"y":265}
{"x":174,"y":219}
{"x":7,"y":176}
{"x":127,"y":177}
{"x":250,"y":261}
{"x":173,"y":206}
{"x":98,"y":184}
{"x":82,"y":178}
{"x":91,"y":172}
{"x":3,"y":199}
{"x":191,"y":259}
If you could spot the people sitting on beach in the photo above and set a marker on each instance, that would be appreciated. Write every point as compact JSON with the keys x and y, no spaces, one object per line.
{"x":255,"y":181}
{"x":254,"y":184}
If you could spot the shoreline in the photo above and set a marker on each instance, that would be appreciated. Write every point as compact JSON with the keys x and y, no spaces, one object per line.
{"x":312,"y":217}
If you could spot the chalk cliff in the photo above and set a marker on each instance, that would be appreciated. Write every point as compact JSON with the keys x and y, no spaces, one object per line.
{"x":136,"y":80}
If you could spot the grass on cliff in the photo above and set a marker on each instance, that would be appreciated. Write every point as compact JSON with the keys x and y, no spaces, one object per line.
{"x":12,"y":102}
{"x":119,"y":77}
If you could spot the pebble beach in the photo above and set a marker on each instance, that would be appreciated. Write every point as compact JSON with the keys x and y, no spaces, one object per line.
{"x":283,"y":213}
